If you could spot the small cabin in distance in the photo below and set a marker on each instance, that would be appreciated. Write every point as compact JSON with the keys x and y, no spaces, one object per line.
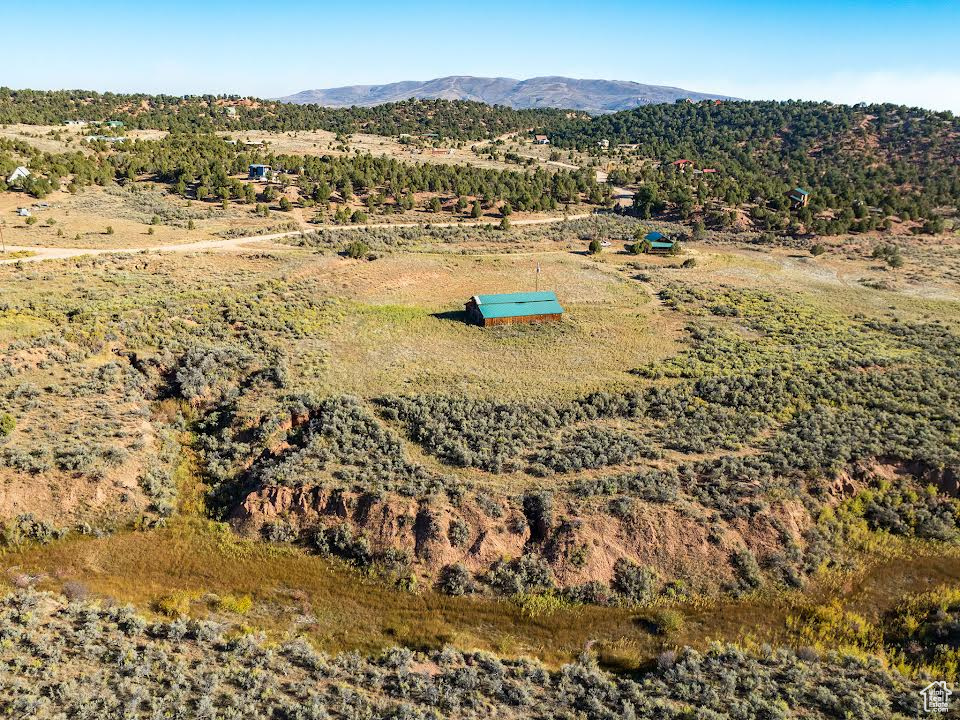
{"x":259,"y":172}
{"x":541,"y":140}
{"x":655,"y":242}
{"x":514,"y":308}
{"x":799,"y":197}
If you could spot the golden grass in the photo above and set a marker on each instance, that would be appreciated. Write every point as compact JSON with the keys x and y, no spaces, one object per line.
{"x":23,"y":327}
{"x":171,"y":571}
{"x":82,"y":220}
{"x":400,"y":327}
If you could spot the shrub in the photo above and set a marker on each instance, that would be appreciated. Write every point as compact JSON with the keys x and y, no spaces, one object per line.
{"x":7,"y":424}
{"x":458,"y":533}
{"x":595,"y":247}
{"x":621,"y":507}
{"x":75,"y":590}
{"x":357,"y":250}
{"x":527,"y":574}
{"x":455,"y":579}
{"x":589,"y":593}
{"x":279,"y":531}
{"x":538,"y":509}
{"x":239,"y":604}
{"x":667,"y":621}
{"x":635,"y":584}
{"x":748,"y":571}
{"x":26,"y":528}
{"x":175,"y":604}
{"x":890,"y":253}
{"x":589,"y":448}
{"x":341,"y":542}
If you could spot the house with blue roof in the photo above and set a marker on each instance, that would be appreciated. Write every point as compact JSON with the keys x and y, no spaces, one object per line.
{"x":514,"y":308}
{"x":659,"y":243}
{"x":799,"y":197}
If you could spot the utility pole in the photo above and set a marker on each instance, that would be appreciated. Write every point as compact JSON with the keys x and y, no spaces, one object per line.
{"x":538,"y":276}
{"x":3,"y":243}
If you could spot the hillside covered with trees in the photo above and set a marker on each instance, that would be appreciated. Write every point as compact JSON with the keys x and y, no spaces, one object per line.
{"x":865,"y":166}
{"x":203,"y":166}
{"x":458,"y":119}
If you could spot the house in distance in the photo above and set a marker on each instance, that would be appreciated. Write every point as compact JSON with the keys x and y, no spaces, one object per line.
{"x":19,"y":174}
{"x":799,"y":197}
{"x":655,"y":242}
{"x":259,"y":172}
{"x":514,"y":308}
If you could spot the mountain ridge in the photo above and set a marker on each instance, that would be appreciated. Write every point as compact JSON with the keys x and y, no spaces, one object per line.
{"x":589,"y":95}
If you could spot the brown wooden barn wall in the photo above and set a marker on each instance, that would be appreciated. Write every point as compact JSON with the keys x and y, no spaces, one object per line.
{"x":521,"y":319}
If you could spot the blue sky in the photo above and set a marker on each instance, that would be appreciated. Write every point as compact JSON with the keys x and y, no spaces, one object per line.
{"x":844,"y":51}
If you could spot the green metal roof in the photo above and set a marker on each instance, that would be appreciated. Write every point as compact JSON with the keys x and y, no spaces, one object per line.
{"x":660,"y":244}
{"x":517,"y":297}
{"x":519,"y":304}
{"x":500,"y":310}
{"x":801,"y":191}
{"x":652,"y":236}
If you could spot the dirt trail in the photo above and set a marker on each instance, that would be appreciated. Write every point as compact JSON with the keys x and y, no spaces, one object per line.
{"x":61,"y":253}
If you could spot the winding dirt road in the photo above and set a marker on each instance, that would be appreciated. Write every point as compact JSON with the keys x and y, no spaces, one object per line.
{"x":62,"y":253}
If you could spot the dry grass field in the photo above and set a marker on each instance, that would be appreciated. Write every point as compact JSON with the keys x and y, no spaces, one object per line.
{"x":142,"y":216}
{"x":321,"y":142}
{"x":118,"y":217}
{"x":64,"y":138}
{"x":397,"y":324}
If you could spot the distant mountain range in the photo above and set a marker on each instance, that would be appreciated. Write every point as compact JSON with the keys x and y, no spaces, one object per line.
{"x":592,"y":96}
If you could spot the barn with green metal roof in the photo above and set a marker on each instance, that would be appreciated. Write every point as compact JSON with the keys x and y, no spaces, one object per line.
{"x":514,"y":308}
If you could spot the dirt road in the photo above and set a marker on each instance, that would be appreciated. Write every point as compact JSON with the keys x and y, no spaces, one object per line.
{"x":62,"y":253}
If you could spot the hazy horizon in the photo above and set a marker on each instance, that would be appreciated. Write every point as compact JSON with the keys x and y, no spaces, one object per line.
{"x":843,"y":52}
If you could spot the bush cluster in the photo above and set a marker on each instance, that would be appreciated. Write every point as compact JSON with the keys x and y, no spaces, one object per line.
{"x":79,"y":660}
